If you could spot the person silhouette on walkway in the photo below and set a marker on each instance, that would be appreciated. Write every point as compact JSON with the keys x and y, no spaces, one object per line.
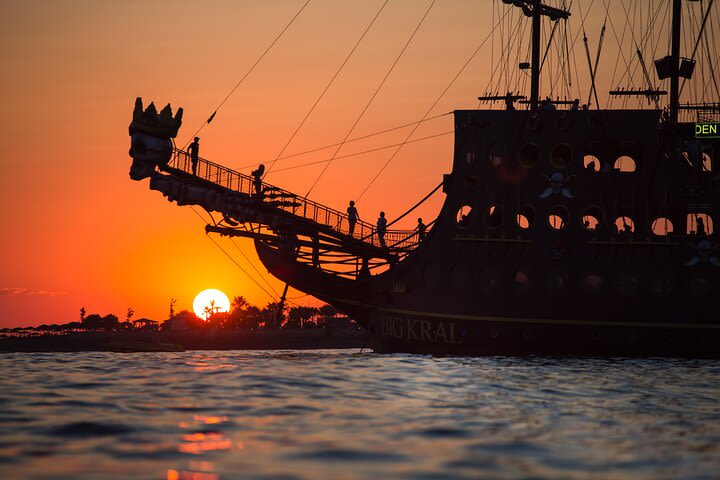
{"x":381,"y":229}
{"x":509,"y":102}
{"x":353,"y":217}
{"x":194,"y":154}
{"x":700,"y":227}
{"x":421,"y":227}
{"x":257,"y":179}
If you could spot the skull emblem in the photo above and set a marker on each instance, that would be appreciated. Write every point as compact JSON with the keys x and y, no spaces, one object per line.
{"x":704,"y":253}
{"x":557,"y":185}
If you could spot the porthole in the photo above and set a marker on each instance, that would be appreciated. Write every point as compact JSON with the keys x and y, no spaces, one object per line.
{"x":525,"y":217}
{"x":528,"y":155}
{"x":464,"y":216}
{"x":625,"y":164}
{"x":661,"y":287}
{"x":624,"y":225}
{"x":558,"y":217}
{"x":627,"y":285}
{"x":699,"y":224}
{"x":593,"y":282}
{"x":521,"y":281}
{"x":494,"y":216}
{"x":662,"y":226}
{"x":561,"y":155}
{"x":592,"y":218}
{"x":591,"y":163}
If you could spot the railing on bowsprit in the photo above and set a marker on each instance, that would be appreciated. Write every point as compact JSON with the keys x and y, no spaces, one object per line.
{"x":397,"y":240}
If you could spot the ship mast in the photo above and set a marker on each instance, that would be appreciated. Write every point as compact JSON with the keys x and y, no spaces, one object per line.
{"x":536,"y":9}
{"x":535,"y":72}
{"x":675,"y":54}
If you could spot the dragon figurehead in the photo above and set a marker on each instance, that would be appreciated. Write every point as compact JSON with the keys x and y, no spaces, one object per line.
{"x":151,"y":133}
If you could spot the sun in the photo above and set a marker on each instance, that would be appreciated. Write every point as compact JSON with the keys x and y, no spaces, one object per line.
{"x":210,"y":301}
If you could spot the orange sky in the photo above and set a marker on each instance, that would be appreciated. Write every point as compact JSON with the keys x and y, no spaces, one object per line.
{"x":78,"y":232}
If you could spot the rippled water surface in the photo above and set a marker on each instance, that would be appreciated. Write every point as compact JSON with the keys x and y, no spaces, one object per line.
{"x":346,"y":414}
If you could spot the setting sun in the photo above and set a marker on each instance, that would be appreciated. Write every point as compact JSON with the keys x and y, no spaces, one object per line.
{"x":210,"y":301}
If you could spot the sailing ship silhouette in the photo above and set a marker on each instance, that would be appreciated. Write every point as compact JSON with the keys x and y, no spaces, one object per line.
{"x":561,"y":230}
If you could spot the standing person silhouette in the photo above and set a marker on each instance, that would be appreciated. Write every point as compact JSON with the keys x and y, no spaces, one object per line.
{"x":421,"y":227}
{"x":353,"y":217}
{"x":194,"y":150}
{"x":509,"y":102}
{"x":381,"y":229}
{"x":257,"y":179}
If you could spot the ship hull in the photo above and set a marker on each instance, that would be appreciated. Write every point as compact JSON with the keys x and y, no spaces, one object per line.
{"x":394,"y":327}
{"x":393,"y":331}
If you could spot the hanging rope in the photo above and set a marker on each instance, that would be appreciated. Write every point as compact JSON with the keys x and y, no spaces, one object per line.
{"x":437,"y":100}
{"x":377,"y":90}
{"x":307,"y":115}
{"x":210,"y":119}
{"x":407,"y":211}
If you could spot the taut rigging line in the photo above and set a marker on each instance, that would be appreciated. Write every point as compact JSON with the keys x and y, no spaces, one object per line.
{"x":253,"y":165}
{"x":316,"y":162}
{"x":210,"y":119}
{"x":377,"y":90}
{"x":322,"y":94}
{"x":437,"y":100}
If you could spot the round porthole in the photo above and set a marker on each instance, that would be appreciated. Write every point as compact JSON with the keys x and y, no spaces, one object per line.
{"x":464,"y":216}
{"x":662,"y":226}
{"x":525,"y":217}
{"x":494,"y":216}
{"x":591,"y":163}
{"x":592,"y":218}
{"x":528,"y":155}
{"x":558,"y":217}
{"x":625,"y":164}
{"x":561,"y":155}
{"x":624,"y":225}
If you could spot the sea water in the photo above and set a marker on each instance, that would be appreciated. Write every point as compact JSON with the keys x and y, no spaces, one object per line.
{"x":348,"y":414}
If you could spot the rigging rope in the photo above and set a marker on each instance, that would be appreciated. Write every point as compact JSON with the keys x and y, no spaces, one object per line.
{"x":415,"y":206}
{"x":697,"y":41}
{"x":377,"y":90}
{"x":252,"y":165}
{"x":363,"y":152}
{"x":437,"y":100}
{"x":231,"y":258}
{"x":327,"y":87}
{"x":210,"y":119}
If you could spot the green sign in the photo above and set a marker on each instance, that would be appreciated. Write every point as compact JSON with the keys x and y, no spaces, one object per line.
{"x":707,"y":130}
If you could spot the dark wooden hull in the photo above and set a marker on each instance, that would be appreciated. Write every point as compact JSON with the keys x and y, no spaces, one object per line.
{"x":484,"y":282}
{"x":427,"y":334}
{"x":396,"y":327}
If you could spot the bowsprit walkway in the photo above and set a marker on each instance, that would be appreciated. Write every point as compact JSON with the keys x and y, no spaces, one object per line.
{"x":400,"y":241}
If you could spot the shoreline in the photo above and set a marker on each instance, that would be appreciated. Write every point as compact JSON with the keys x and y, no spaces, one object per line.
{"x":185,"y":340}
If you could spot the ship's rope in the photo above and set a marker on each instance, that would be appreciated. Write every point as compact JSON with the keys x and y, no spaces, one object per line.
{"x":355,"y":139}
{"x":369,"y":102}
{"x":272,"y":44}
{"x":437,"y":100}
{"x":327,"y":87}
{"x":232,"y":259}
{"x":278,"y":170}
{"x":407,"y":212}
